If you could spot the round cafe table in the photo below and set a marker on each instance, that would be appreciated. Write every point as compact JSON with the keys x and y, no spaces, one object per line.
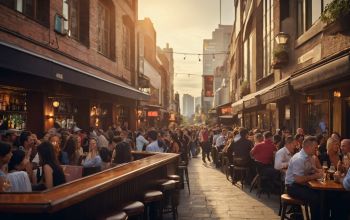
{"x":328,"y":185}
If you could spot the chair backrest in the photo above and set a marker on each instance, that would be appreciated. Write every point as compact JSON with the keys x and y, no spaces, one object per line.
{"x":90,"y":170}
{"x":72,"y":172}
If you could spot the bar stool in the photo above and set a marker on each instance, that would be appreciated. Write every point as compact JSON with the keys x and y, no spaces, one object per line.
{"x":170,"y":197}
{"x":176,"y":178}
{"x":242,"y":173}
{"x":134,"y":210}
{"x":183,"y":169}
{"x":118,"y":216}
{"x":153,"y":204}
{"x":288,"y":200}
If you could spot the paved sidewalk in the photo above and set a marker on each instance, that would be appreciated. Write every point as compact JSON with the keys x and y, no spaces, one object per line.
{"x":214,"y":197}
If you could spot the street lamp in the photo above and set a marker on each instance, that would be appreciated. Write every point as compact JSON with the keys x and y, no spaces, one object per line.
{"x":282,"y":38}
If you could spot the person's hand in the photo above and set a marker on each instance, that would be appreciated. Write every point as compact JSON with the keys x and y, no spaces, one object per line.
{"x":318,"y":175}
{"x":337,"y":175}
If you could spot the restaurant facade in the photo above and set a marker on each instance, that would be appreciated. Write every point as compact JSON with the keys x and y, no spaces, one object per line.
{"x":56,"y":69}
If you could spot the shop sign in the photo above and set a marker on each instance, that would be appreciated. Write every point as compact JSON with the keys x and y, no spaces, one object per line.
{"x":208,"y":86}
{"x":226,"y":111}
{"x":251,"y":103}
{"x":275,"y":94}
{"x":152,"y":114}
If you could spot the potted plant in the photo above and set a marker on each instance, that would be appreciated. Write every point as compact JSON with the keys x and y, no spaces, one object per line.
{"x":280,"y":58}
{"x":245,"y":90}
{"x":336,"y":16}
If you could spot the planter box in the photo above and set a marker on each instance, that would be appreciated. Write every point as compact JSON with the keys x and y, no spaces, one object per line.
{"x":341,"y":25}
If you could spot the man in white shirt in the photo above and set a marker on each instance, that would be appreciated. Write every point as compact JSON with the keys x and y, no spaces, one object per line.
{"x":284,"y":154}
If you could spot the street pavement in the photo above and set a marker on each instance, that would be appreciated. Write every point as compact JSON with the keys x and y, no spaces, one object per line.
{"x":214,"y":197}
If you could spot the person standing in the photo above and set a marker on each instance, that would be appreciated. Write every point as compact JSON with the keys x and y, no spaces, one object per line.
{"x":204,"y":142}
{"x":153,"y":139}
{"x":140,"y":140}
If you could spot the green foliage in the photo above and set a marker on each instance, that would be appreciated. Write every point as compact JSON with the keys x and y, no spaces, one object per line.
{"x":335,"y":10}
{"x":279,"y":52}
{"x":245,"y":88}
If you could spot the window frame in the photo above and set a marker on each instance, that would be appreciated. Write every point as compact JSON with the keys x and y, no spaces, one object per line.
{"x":107,"y":36}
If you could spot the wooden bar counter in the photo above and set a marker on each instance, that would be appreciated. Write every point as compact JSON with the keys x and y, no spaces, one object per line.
{"x":93,"y":196}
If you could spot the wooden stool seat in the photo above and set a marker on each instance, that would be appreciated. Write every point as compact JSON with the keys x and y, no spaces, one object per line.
{"x":118,"y":216}
{"x":286,"y":198}
{"x":168,"y":185}
{"x":174,"y":177}
{"x":134,"y":208}
{"x":152,"y":196}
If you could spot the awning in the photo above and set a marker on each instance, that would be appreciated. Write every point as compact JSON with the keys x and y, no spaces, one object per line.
{"x":21,"y":60}
{"x":323,"y":73}
{"x":224,"y":105}
{"x":226,"y":116}
{"x":279,"y":90}
{"x":252,"y":100}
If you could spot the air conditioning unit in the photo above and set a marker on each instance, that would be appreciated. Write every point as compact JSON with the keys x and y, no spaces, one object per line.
{"x":61,"y":24}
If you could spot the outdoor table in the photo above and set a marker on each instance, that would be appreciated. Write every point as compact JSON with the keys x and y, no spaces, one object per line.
{"x":328,"y":185}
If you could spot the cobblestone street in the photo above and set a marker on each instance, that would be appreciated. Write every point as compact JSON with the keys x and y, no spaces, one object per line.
{"x":214,"y":197}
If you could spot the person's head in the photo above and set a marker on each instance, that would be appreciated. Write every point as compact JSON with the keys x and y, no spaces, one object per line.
{"x":26,"y":139}
{"x":285,"y":132}
{"x":300,"y":131}
{"x":321,"y":139}
{"x":335,"y":135}
{"x":105,"y":155}
{"x":332,"y":146}
{"x":277,"y":139}
{"x":152,"y":135}
{"x":258,"y":138}
{"x":289,"y":143}
{"x":299,"y":138}
{"x":267,"y":135}
{"x":310,"y":145}
{"x":5,"y":153}
{"x":243,"y":133}
{"x":224,"y":131}
{"x":92,"y":144}
{"x":345,"y":146}
{"x":17,"y":161}
{"x":77,"y":140}
{"x":117,"y":139}
{"x":70,"y":147}
{"x":47,"y":153}
{"x":55,"y":140}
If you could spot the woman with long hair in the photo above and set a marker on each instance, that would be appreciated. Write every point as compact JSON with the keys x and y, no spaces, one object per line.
{"x":62,"y":156}
{"x":52,"y":172}
{"x":18,"y":178}
{"x":71,"y":150}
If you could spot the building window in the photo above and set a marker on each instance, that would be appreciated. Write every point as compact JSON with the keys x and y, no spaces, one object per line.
{"x":308,"y":12}
{"x":76,"y":14}
{"x":103,"y":29}
{"x":267,"y":35}
{"x":126,"y":46}
{"x":38,"y":10}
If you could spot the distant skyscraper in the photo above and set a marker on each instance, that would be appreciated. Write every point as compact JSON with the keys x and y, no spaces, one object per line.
{"x":197,"y":104}
{"x":188,"y":105}
{"x":216,"y":49}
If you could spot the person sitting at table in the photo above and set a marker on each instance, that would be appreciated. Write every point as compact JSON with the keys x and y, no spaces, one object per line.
{"x":72,"y":153}
{"x":300,"y":170}
{"x":62,"y":156}
{"x":332,"y":152}
{"x":93,"y":158}
{"x":284,"y":154}
{"x":18,"y":178}
{"x":5,"y":156}
{"x":52,"y":172}
{"x":122,"y":153}
{"x":263,"y":152}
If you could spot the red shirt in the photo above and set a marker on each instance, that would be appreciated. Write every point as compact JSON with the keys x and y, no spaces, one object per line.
{"x":263,"y":152}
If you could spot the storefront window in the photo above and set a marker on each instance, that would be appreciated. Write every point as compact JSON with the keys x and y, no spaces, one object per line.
{"x":316,"y":117}
{"x":13,"y":109}
{"x":264,"y":120}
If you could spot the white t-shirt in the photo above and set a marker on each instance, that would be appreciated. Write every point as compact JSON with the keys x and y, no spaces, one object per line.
{"x":19,"y":182}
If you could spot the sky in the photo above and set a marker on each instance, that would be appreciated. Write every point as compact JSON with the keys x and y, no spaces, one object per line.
{"x":184,"y":24}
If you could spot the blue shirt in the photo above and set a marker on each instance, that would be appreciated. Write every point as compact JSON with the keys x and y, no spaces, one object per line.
{"x":346,"y":181}
{"x":300,"y":164}
{"x":153,"y":147}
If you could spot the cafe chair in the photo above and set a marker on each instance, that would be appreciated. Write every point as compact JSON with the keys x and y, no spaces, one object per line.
{"x":118,"y":216}
{"x":183,"y":173}
{"x":289,"y":201}
{"x":153,"y":204}
{"x":134,"y":210}
{"x":240,"y":170}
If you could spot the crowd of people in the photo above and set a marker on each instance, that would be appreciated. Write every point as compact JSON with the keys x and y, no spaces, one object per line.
{"x":30,"y":163}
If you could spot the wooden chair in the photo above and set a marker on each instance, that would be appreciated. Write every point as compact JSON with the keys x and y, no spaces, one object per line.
{"x":72,"y":172}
